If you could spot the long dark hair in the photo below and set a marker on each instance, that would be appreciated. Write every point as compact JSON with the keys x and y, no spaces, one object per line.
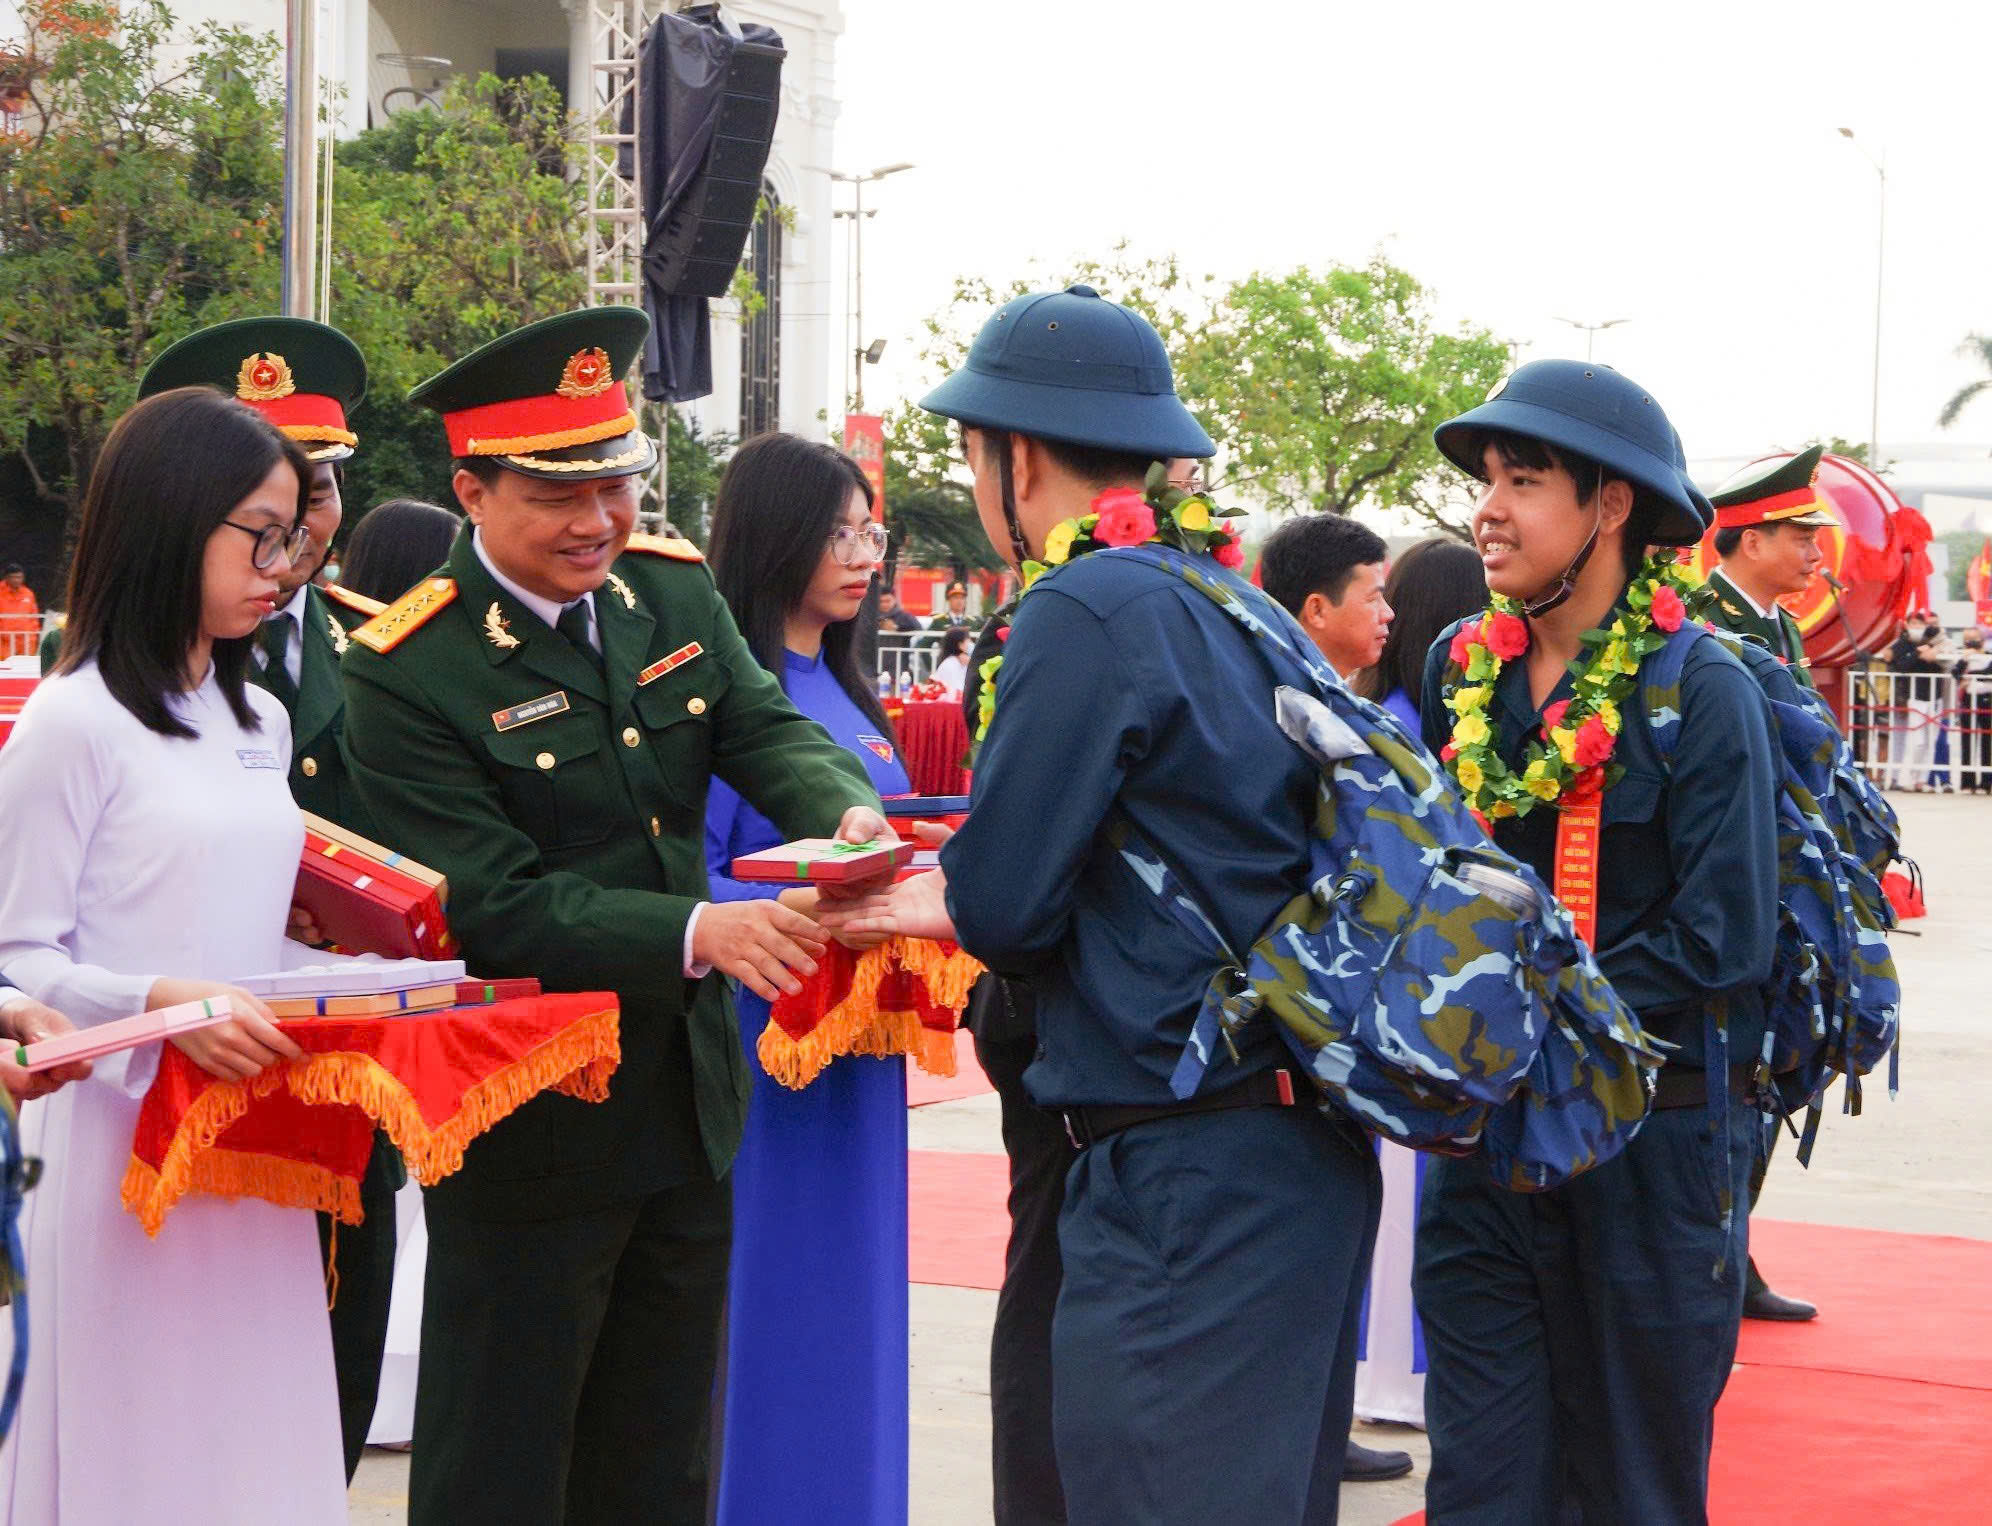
{"x":172,"y":470}
{"x":395,"y":545}
{"x":1433,"y":584}
{"x":778,"y":502}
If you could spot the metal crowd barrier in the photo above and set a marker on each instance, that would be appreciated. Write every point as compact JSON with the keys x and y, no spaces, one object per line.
{"x":1922,"y":731}
{"x":906,"y":659}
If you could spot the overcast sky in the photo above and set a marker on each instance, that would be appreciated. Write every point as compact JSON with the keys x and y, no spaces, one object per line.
{"x":1676,"y":165}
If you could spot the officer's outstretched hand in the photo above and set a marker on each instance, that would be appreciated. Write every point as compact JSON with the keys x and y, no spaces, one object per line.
{"x":762,"y":944}
{"x":861,"y":824}
{"x":914,"y":908}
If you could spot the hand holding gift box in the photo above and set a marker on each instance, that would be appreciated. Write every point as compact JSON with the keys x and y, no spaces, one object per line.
{"x":93,"y":1043}
{"x":823,"y":861}
{"x":370,"y":899}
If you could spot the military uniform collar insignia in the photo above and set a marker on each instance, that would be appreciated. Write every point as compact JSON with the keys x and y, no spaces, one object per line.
{"x":339,"y":638}
{"x":496,"y":630}
{"x":623,"y":591}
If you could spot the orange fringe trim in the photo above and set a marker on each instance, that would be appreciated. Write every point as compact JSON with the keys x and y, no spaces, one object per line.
{"x":857,"y":1026}
{"x":579,"y":1061}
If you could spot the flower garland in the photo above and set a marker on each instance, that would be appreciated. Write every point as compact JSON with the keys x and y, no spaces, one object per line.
{"x":1579,"y":735}
{"x":1159,"y":512}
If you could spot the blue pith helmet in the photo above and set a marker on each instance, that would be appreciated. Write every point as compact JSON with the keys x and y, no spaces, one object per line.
{"x":1591,"y":409}
{"x":1072,"y":366}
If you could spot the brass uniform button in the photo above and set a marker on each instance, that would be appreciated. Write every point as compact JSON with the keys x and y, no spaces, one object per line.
{"x":695,"y":705}
{"x":630,"y":736}
{"x":310,"y":768}
{"x":656,"y":827}
{"x":545,"y":760}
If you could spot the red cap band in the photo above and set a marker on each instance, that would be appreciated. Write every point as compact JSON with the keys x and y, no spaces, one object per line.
{"x":307,"y":416}
{"x":1741,"y":516}
{"x":547,"y":422}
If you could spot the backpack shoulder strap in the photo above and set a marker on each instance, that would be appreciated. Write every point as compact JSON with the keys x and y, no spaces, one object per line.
{"x":1660,"y":686}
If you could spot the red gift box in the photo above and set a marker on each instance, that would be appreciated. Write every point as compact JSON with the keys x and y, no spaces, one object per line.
{"x":479,"y":993}
{"x":366,"y":904}
{"x":819,"y":860}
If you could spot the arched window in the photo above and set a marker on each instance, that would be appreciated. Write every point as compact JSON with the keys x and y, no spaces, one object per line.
{"x":761,"y":329}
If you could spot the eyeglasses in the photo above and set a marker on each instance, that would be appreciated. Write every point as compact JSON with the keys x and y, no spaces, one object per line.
{"x":273,"y":541}
{"x":851,"y":545}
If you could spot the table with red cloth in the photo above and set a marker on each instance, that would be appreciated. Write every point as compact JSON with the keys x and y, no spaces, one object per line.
{"x":300,"y":1133}
{"x":902,"y":997}
{"x":933,"y":741}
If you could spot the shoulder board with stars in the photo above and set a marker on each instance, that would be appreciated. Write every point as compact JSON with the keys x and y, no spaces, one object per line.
{"x":666,"y":545}
{"x":406,"y":615}
{"x":358,"y":603}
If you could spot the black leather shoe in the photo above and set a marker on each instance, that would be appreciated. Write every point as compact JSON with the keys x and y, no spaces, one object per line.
{"x":1366,"y":1465}
{"x":1761,"y":1303}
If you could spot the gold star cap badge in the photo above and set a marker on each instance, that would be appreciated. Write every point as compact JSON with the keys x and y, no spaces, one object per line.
{"x":588,"y":373}
{"x":264,"y":378}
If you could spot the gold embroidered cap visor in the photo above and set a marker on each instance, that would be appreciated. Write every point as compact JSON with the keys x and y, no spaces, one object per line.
{"x":549,"y":400}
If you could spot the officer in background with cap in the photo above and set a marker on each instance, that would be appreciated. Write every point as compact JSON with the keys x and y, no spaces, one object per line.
{"x":1213,"y":1249}
{"x":1578,"y":1339}
{"x":306,"y":379}
{"x":955,"y":616}
{"x":1767,"y":523}
{"x":539,"y":722}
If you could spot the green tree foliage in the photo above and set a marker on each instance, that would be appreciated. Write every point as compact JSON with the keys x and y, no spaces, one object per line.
{"x":1977,"y":348}
{"x":693,"y":463}
{"x":140,"y":202}
{"x":1322,"y":390}
{"x":451,"y":226}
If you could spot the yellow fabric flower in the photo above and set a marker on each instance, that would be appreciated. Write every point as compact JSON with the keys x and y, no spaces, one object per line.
{"x":1193,"y":514}
{"x":1565,"y":739}
{"x":1058,"y":544}
{"x":1471,"y":730}
{"x":1609,"y":714}
{"x":1617,"y":657}
{"x":1469,"y":775}
{"x":1501,"y":810}
{"x":1473,"y":697}
{"x":1539,"y":782}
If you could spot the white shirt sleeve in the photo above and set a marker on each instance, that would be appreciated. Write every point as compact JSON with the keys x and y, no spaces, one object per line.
{"x":53,"y":785}
{"x":693,"y":969}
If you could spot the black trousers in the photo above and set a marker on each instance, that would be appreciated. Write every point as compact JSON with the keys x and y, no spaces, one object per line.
{"x":1025,"y":1465}
{"x":359,"y":1266}
{"x":567,"y":1364}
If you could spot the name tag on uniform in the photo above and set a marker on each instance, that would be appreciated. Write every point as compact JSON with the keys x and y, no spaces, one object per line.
{"x":663,"y":665}
{"x":257,"y":757}
{"x":532,"y":710}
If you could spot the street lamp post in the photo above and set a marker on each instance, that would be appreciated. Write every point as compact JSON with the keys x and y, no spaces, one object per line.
{"x":300,"y":163}
{"x":1880,"y":237}
{"x":1591,"y":331}
{"x":862,"y":352}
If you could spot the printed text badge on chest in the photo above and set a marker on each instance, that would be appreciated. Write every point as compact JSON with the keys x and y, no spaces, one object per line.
{"x":532,"y":710}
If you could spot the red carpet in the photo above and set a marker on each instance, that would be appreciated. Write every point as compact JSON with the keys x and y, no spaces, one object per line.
{"x":967,"y":1081}
{"x":1879,"y":1413}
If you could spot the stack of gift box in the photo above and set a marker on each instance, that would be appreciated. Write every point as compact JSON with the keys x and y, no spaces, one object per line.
{"x":370,"y":899}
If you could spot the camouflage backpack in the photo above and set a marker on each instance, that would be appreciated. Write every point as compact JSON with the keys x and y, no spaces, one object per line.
{"x":1833,"y":1001}
{"x":1426,"y":980}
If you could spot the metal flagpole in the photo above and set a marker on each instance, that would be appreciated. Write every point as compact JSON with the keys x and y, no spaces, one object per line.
{"x":300,"y":162}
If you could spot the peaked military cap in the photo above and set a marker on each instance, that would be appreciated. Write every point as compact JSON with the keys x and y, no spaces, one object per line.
{"x":1782,"y":492}
{"x":1070,"y":365}
{"x":302,"y":376}
{"x":548,"y":400}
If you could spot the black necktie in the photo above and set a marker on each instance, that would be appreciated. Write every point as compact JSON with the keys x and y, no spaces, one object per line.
{"x":276,"y":671}
{"x":573,"y":624}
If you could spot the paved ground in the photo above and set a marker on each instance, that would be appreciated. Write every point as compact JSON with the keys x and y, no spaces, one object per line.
{"x":1916,"y":1165}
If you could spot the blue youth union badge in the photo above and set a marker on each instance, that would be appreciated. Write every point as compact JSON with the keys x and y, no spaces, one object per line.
{"x":878,"y":746}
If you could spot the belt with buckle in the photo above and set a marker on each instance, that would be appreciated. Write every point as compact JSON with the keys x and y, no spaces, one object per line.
{"x":1089,"y":1125}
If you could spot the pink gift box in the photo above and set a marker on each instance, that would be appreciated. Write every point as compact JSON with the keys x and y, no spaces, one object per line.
{"x":126,"y":1033}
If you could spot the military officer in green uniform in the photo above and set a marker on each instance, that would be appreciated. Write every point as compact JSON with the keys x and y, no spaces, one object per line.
{"x":1767,"y":523}
{"x":306,"y":378}
{"x":539,"y":721}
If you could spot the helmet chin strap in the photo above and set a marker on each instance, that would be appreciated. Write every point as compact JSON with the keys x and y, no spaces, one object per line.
{"x":1010,"y":521}
{"x":1566,"y":585}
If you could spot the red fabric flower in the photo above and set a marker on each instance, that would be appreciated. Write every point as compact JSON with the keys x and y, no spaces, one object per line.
{"x":1125,"y":518}
{"x":1668,"y":610}
{"x":1594,"y":743}
{"x":1507,"y":636}
{"x":1553,"y":716}
{"x":1586,"y":787}
{"x":1002,"y":633}
{"x":1230,"y":553}
{"x":1460,"y":653}
{"x":1448,"y":752}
